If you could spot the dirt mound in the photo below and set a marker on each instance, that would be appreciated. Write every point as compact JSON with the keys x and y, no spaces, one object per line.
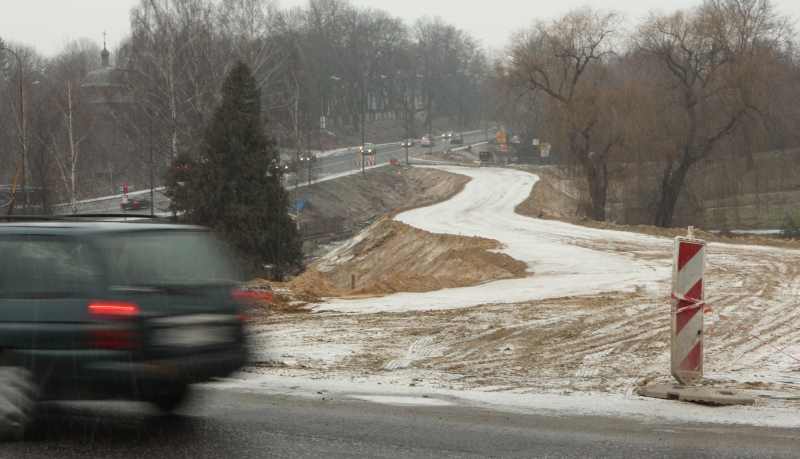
{"x":306,"y":288}
{"x":391,"y":257}
{"x":314,"y":284}
{"x":551,"y":198}
{"x":411,"y":283}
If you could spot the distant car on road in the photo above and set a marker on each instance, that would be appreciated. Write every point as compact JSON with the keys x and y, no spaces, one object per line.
{"x":427,"y":141}
{"x":457,"y":139}
{"x":312,"y":158}
{"x":369,"y":149}
{"x":135,"y":204}
{"x":408,"y":143}
{"x":448,"y":135}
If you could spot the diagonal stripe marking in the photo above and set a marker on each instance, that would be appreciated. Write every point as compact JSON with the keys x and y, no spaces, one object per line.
{"x":687,"y":251}
{"x":693,"y":360}
{"x":683,"y":317}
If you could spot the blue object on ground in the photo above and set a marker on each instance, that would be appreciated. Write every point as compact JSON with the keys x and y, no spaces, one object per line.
{"x":298,"y":206}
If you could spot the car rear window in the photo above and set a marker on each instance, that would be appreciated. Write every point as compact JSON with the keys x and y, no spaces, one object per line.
{"x":169,"y":258}
{"x":46,"y":267}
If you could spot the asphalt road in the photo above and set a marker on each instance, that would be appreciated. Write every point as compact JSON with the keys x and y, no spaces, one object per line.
{"x":327,"y":166}
{"x":324,"y":167}
{"x":111,"y":205}
{"x":230,"y":424}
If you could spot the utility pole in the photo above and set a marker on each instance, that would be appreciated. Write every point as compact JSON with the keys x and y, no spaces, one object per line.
{"x":405,"y":99}
{"x":363,"y":167}
{"x":486,"y":106}
{"x":297,"y":196}
{"x":459,"y":109}
{"x":430,"y":126}
{"x":152,"y":201}
{"x":150,"y":140}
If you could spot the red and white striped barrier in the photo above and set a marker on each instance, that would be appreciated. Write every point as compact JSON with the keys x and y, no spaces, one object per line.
{"x":689,"y":263}
{"x":370,"y":161}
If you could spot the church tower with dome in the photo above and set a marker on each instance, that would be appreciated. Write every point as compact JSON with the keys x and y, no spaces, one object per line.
{"x":102,"y":84}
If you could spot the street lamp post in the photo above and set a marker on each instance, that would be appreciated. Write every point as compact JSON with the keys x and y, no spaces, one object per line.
{"x":405,"y":102}
{"x":150,"y":134}
{"x":459,"y":109}
{"x":360,"y":86}
{"x":150,"y":143}
{"x":23,"y":139}
{"x":430,"y":125}
{"x":363,"y":167}
{"x":430,"y":122}
{"x":334,"y":78}
{"x":405,"y":105}
{"x":486,"y":106}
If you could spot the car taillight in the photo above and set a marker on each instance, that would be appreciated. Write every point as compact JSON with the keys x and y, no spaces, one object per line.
{"x":113,"y":324}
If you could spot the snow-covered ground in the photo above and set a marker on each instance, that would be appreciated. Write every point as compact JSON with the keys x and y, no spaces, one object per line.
{"x":574,"y":337}
{"x":778,"y":414}
{"x":556,"y":252}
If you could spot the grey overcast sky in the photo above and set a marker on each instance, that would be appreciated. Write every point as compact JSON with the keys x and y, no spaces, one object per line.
{"x":48,"y":24}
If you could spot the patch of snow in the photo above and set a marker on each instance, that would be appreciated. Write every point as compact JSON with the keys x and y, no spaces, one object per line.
{"x":755,"y":286}
{"x":556,"y":252}
{"x":765,"y":413}
{"x":403,"y":400}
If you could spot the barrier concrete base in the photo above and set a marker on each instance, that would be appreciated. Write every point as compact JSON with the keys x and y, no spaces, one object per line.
{"x":706,"y":395}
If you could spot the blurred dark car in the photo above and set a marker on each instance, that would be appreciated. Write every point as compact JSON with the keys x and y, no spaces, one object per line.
{"x":456,"y":138}
{"x":135,"y":204}
{"x":408,"y":143}
{"x":448,"y":135}
{"x":130,"y":311}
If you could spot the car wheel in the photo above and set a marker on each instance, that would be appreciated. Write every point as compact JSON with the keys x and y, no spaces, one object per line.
{"x":171,"y":399}
{"x":19,"y":393}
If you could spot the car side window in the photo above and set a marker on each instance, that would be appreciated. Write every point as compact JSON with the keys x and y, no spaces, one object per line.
{"x":34,"y":266}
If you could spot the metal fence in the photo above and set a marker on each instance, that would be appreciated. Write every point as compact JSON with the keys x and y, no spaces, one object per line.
{"x":321,"y":227}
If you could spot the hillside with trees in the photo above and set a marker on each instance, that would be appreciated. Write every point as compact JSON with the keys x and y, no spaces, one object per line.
{"x":662,"y":121}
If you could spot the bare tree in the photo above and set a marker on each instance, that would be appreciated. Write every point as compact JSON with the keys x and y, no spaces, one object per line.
{"x":712,"y":60}
{"x":566,"y":61}
{"x":66,"y":139}
{"x":172,"y":44}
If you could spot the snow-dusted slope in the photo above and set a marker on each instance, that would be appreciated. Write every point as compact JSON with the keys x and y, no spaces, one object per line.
{"x":579,"y":351}
{"x":563,"y":259}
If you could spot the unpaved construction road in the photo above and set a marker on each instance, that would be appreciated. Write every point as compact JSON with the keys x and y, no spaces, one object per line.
{"x":590,"y":317}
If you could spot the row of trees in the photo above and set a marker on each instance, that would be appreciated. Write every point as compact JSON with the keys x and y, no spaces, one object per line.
{"x":634,"y":109}
{"x":89,"y":126}
{"x":645,"y":106}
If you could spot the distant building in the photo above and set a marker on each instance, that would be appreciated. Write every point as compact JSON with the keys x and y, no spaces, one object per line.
{"x":102,"y":84}
{"x":113,"y":159}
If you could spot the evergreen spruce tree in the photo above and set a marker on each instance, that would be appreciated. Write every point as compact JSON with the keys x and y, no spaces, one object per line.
{"x":235,"y":186}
